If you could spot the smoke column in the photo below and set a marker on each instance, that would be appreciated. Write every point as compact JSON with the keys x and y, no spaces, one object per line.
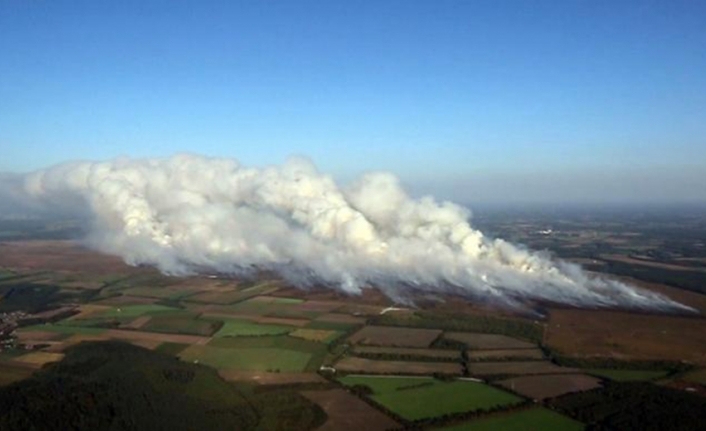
{"x":188,"y":213}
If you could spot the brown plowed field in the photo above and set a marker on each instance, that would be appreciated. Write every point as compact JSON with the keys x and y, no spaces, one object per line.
{"x":397,"y":337}
{"x":525,"y":367}
{"x":62,"y":256}
{"x":625,"y":335}
{"x":488,"y":341}
{"x":361,"y":365}
{"x":542,"y":387}
{"x":505,"y":353}
{"x":341,"y":318}
{"x":347,"y":412}
{"x":427,"y":353}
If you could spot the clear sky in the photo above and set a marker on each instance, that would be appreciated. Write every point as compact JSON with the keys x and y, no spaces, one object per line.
{"x":471,"y":100}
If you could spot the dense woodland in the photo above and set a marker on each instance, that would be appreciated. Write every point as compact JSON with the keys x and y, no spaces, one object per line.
{"x":118,"y":386}
{"x":635,"y":406}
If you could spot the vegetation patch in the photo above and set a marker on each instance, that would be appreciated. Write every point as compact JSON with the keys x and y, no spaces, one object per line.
{"x":411,"y":401}
{"x":543,"y":387}
{"x":10,"y":373}
{"x":39,"y":358}
{"x":320,"y":335}
{"x":181,"y":325}
{"x":696,"y":376}
{"x":464,"y":323}
{"x":249,"y":359}
{"x":488,"y":341}
{"x":396,"y":337}
{"x":635,"y":406}
{"x":627,"y":375}
{"x":117,"y":386}
{"x":317,"y":351}
{"x":530,"y":419}
{"x":234,"y":327}
{"x":66,"y":329}
{"x":137,"y":310}
{"x":364,"y":365}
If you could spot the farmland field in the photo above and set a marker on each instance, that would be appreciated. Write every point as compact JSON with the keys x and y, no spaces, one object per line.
{"x":64,"y":329}
{"x":696,"y":376}
{"x":542,"y":387}
{"x":320,"y":335}
{"x":362,"y":365}
{"x":488,"y":341}
{"x":392,"y":336}
{"x":409,"y":351}
{"x":10,"y":373}
{"x":39,"y":358}
{"x":627,"y":335}
{"x":527,"y":367}
{"x":346,"y":412}
{"x":419,"y":398}
{"x":245,"y":328}
{"x":316,"y":351}
{"x":627,"y":375}
{"x":255,"y":359}
{"x":136,"y":310}
{"x":505,"y":354}
{"x":531,"y":419}
{"x":179,"y":324}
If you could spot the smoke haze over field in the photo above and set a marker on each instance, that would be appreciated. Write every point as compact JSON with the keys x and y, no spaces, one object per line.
{"x":189,"y":213}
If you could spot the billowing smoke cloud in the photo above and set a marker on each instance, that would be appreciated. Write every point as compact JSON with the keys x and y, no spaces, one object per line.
{"x":188,"y":213}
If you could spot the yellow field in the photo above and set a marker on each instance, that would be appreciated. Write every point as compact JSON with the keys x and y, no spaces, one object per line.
{"x":39,"y":358}
{"x":87,"y":310}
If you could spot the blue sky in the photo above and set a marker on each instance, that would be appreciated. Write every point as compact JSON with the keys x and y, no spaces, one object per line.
{"x":470,"y":100}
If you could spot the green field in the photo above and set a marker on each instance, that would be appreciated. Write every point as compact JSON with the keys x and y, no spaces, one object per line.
{"x":160,"y":292}
{"x":66,"y":329}
{"x":315,"y":351}
{"x":420,"y":398}
{"x":627,"y":375}
{"x":234,"y":296}
{"x":249,"y":359}
{"x":234,"y":328}
{"x":288,"y":301}
{"x":111,"y":322}
{"x":137,"y":310}
{"x":526,"y":420}
{"x":181,"y":324}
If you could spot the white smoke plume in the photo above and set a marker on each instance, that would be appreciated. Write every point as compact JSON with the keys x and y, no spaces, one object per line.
{"x":188,"y":213}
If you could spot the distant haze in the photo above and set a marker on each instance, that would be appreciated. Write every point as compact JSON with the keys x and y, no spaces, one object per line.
{"x":188,"y":213}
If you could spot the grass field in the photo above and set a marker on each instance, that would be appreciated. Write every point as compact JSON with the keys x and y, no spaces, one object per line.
{"x":137,"y":310}
{"x":66,"y":329}
{"x":234,"y":328}
{"x":251,"y":359}
{"x":316,"y":351}
{"x":532,"y":419}
{"x":424,"y":397}
{"x":181,"y":325}
{"x":627,"y":375}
